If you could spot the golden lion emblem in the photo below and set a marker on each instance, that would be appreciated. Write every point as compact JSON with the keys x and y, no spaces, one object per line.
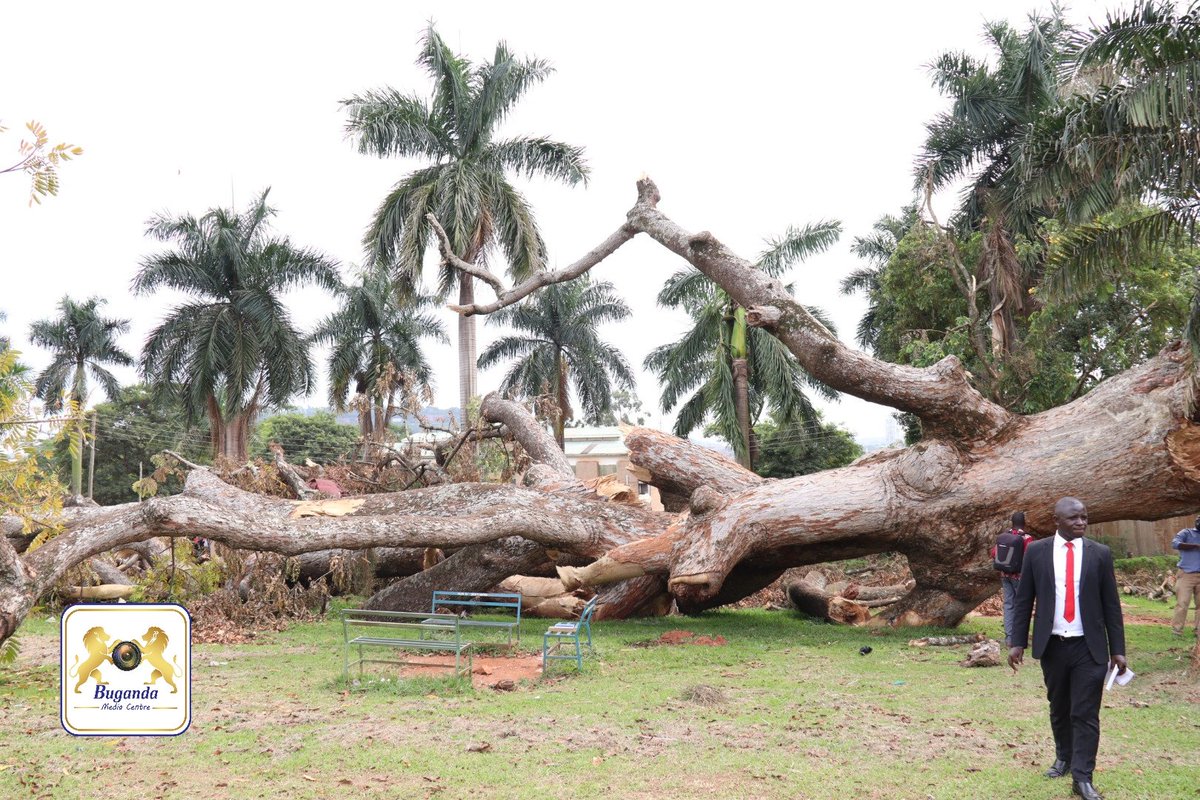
{"x":153,"y":644}
{"x":95,"y":641}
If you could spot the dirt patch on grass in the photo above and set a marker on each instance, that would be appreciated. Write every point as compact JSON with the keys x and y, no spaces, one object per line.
{"x":678,"y":637}
{"x":687,"y":637}
{"x":498,"y":672}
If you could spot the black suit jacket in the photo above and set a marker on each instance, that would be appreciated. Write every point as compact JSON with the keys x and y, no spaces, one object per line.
{"x":1099,"y":603}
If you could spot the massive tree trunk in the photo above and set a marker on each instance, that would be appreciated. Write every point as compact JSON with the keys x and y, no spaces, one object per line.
{"x":1130,"y":449}
{"x":229,"y":437}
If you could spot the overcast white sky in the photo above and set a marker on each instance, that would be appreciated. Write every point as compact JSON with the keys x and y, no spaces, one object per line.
{"x":750,"y":116}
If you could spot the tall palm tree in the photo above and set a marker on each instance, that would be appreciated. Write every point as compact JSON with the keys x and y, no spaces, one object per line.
{"x":82,"y":341}
{"x":467,"y":186}
{"x":376,"y":348}
{"x":233,"y":349}
{"x":563,"y":347}
{"x":736,"y":370}
{"x":979,"y":139}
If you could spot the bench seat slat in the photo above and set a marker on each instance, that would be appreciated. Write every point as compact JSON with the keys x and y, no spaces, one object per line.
{"x":422,"y":644}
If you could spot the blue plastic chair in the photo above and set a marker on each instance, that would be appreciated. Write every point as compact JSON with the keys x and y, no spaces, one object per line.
{"x":566,"y":633}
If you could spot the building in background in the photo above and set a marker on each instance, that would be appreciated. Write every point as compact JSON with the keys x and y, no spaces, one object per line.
{"x":594,"y":452}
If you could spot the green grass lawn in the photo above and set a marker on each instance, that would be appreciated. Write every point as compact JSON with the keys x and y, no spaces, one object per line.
{"x":795,"y":712}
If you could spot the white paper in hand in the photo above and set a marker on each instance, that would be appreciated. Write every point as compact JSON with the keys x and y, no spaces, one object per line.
{"x":1120,"y":679}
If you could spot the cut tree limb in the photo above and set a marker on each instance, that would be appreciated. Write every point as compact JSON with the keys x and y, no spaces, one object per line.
{"x":105,"y":591}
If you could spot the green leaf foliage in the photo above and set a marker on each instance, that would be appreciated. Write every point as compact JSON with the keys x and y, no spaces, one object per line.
{"x":131,"y":429}
{"x":696,"y":372}
{"x":557,"y":349}
{"x":233,"y":347}
{"x":319,"y":437}
{"x":467,"y":187}
{"x":1066,"y":345}
{"x":789,"y":450}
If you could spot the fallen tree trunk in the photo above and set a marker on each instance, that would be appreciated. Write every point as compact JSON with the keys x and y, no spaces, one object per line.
{"x":1130,"y":449}
{"x":810,"y":597}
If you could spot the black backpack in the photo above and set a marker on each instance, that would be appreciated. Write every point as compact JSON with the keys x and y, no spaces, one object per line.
{"x":1010,"y":551}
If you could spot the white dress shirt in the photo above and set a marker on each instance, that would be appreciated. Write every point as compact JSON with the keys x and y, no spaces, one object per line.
{"x":1061,"y":626}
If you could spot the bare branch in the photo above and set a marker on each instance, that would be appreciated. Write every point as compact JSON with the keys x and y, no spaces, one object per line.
{"x":183,"y":460}
{"x":449,"y":257}
{"x":536,"y":441}
{"x":546,"y":278}
{"x":941,"y":395}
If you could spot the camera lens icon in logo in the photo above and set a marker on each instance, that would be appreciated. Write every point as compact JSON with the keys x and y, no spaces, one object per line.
{"x":126,"y":656}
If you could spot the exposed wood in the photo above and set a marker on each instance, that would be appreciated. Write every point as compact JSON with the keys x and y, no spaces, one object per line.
{"x":544,"y":597}
{"x":105,"y":591}
{"x":810,"y":598}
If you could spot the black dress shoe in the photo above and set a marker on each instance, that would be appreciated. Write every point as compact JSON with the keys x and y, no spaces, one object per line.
{"x":1085,"y":790}
{"x":1058,"y":769}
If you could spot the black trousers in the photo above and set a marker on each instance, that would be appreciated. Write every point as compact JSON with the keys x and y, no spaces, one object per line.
{"x":1074,"y":687}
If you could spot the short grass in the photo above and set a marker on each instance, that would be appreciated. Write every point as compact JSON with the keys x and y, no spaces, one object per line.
{"x":788,"y":708}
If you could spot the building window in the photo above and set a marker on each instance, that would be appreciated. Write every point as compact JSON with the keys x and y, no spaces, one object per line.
{"x":608,"y":469}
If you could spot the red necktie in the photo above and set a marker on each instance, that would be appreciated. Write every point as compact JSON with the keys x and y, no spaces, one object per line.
{"x":1069,"y":600}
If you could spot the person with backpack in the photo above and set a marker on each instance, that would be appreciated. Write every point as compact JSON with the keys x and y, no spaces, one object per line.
{"x":1007,"y":555}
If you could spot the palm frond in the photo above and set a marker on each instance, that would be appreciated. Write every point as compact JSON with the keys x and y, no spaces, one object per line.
{"x":797,"y":244}
{"x":1088,"y":255}
{"x":399,"y":233}
{"x":501,"y":84}
{"x":540,"y":157}
{"x":508,"y":348}
{"x":389,"y":124}
{"x":516,"y":229}
{"x":452,"y":91}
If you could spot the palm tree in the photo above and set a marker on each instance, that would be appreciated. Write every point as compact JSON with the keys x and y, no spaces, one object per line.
{"x":233,"y":349}
{"x":375,"y":342}
{"x":467,"y":187}
{"x":1126,"y":134}
{"x":563,"y":347}
{"x":81,"y":341}
{"x":735,"y":370}
{"x":980,"y":138}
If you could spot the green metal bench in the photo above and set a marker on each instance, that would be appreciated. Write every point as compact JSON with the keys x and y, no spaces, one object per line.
{"x":565,"y":634}
{"x":484,"y":601}
{"x":402,"y":630}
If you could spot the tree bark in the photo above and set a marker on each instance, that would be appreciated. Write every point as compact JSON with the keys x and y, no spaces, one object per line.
{"x":809,"y":597}
{"x":228,"y":436}
{"x":1130,"y":449}
{"x":741,"y":399}
{"x":563,"y":401}
{"x":468,"y":372}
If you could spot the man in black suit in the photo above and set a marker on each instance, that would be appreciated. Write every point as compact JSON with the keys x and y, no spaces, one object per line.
{"x":1078,"y":633}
